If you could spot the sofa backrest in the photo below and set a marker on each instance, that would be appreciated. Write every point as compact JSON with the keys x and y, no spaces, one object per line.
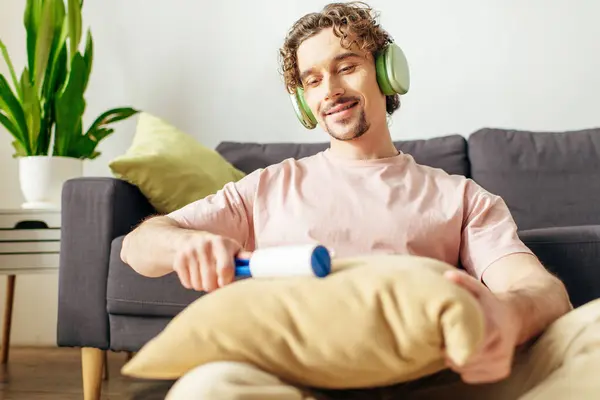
{"x":446,"y":152}
{"x":546,"y":178}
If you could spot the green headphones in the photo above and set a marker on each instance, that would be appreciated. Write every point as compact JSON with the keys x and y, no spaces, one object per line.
{"x":392,"y":76}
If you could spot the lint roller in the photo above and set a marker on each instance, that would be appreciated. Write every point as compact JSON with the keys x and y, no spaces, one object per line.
{"x":302,"y":260}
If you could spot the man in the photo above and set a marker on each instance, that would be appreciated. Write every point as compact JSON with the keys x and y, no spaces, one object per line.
{"x":359,"y":196}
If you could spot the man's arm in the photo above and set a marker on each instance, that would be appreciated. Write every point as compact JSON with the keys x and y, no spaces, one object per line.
{"x":536,"y":297}
{"x":151,"y":247}
{"x":202,"y":260}
{"x":493,"y":253}
{"x":521,"y":298}
{"x":216,"y":226}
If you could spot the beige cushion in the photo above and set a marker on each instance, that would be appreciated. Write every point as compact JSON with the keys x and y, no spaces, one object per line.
{"x":170,"y":167}
{"x":374,"y":321}
{"x":566,"y":359}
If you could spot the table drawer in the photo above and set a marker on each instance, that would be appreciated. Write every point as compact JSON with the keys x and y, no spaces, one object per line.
{"x":29,"y":247}
{"x":26,"y":219}
{"x":11,"y":235}
{"x":20,"y":262}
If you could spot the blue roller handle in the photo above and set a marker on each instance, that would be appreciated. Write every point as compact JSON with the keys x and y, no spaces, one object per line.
{"x":242,"y":267}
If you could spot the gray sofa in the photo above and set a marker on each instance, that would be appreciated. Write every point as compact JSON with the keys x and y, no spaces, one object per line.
{"x":550,"y":181}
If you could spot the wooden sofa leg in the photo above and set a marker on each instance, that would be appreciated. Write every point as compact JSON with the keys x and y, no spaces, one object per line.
{"x":92,"y":363}
{"x":105,"y":373}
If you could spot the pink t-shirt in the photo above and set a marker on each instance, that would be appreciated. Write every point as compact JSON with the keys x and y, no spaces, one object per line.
{"x":356,"y":207}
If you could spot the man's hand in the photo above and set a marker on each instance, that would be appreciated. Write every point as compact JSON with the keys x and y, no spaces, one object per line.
{"x":494,"y":359}
{"x":206,"y":261}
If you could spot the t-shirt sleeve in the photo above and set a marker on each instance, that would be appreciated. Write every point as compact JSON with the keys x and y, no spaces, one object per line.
{"x":489,"y":231}
{"x":228,"y":212}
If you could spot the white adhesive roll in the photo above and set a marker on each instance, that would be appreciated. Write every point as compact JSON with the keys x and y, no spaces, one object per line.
{"x":302,"y":260}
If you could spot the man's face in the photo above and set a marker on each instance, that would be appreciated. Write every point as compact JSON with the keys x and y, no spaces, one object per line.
{"x":340,"y":86}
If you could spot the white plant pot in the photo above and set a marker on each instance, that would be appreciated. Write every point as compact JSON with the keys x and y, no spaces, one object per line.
{"x":42,"y":177}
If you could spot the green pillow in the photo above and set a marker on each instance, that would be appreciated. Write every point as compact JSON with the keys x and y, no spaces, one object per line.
{"x":170,"y":167}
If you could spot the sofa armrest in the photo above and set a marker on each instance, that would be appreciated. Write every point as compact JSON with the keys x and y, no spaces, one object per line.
{"x":572,"y":254}
{"x":94,"y":212}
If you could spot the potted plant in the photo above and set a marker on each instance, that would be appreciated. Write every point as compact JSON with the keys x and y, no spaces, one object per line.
{"x":44,"y":106}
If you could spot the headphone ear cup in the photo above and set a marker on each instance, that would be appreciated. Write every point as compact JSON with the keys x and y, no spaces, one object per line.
{"x":303,"y":112}
{"x":392,"y":70}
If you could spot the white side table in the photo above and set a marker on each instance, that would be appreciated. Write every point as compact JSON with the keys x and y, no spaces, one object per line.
{"x":29,"y":243}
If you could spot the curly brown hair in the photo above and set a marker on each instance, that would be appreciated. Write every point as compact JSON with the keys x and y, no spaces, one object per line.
{"x":353,"y":22}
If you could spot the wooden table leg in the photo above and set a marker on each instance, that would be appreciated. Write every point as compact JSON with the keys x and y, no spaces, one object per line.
{"x":8,"y":308}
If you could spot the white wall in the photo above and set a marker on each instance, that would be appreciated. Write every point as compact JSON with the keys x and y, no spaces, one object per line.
{"x":211,"y":69}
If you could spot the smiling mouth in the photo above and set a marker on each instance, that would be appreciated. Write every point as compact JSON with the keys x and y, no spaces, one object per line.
{"x":339,"y":109}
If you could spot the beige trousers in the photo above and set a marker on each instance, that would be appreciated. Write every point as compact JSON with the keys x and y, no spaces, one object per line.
{"x":564,"y":363}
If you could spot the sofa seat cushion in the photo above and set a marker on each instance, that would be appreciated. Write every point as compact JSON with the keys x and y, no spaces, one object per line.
{"x":446,"y":152}
{"x":129,"y":293}
{"x":547,"y":179}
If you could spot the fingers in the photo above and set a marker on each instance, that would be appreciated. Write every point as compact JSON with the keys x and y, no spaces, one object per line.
{"x":485,"y":376}
{"x":224,"y":264}
{"x":492,"y":363}
{"x":467,"y":282}
{"x":489,"y":373}
{"x":180,"y":267}
{"x":207,"y":262}
{"x":193,"y":267}
{"x":244,"y":254}
{"x":482,"y":372}
{"x":480,"y":361}
{"x":207,"y":268}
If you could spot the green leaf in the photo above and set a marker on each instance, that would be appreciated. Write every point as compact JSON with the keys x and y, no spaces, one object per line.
{"x":54,"y":77}
{"x":11,"y":69}
{"x":111,"y":116}
{"x":69,"y":107}
{"x":47,"y":124}
{"x":61,"y":32}
{"x":10,"y":104}
{"x":32,"y":111}
{"x":31,"y":20}
{"x":88,"y":57}
{"x":57,"y":60}
{"x":74,"y":18}
{"x":10,"y":127}
{"x":58,"y":74}
{"x":86,"y":144}
{"x":19,"y":149}
{"x":99,"y":134}
{"x":64,"y":32}
{"x":55,"y":85}
{"x":44,"y":42}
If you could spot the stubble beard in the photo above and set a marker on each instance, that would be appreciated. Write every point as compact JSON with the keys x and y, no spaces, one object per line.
{"x":360,"y":127}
